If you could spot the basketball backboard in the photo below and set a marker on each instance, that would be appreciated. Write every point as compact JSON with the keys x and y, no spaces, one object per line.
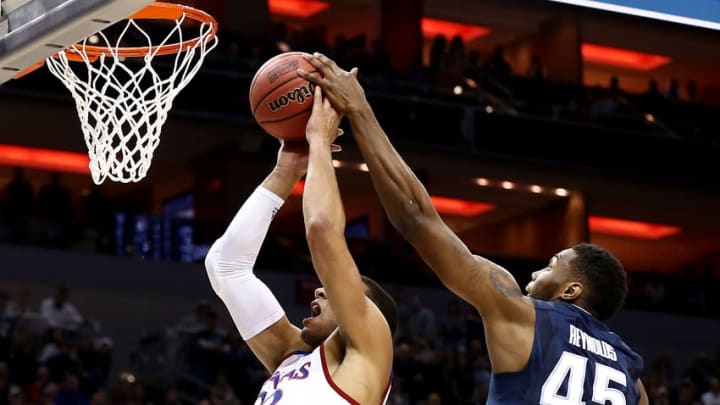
{"x":32,"y":30}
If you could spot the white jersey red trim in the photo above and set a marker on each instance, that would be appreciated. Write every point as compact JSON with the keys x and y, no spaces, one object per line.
{"x":304,"y":376}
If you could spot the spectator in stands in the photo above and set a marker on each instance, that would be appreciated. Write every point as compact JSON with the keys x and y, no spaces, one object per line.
{"x":222,"y":393}
{"x":652,"y":98}
{"x":421,"y":322}
{"x":197,"y":321}
{"x":457,"y":60}
{"x":19,"y":205}
{"x":97,"y":219}
{"x":34,"y":392}
{"x":70,"y":393}
{"x":536,"y":70}
{"x":438,"y":58}
{"x":660,"y":396}
{"x":55,"y":210}
{"x":672,"y":92}
{"x":22,"y":305}
{"x":7,"y":324}
{"x":712,"y":395}
{"x":453,"y":326}
{"x":60,"y":312}
{"x":208,"y":349}
{"x":497,"y":63}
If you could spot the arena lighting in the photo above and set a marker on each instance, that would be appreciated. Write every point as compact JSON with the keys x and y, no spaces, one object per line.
{"x":626,"y":58}
{"x":632,"y":229}
{"x":432,"y":27}
{"x":463,"y":208}
{"x":46,"y":159}
{"x":444,"y":205}
{"x":297,"y":8}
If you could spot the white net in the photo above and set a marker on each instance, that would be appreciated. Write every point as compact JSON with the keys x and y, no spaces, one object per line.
{"x":123,"y":103}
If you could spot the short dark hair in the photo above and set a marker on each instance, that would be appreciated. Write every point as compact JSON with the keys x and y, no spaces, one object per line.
{"x":384,"y":301}
{"x":605,"y":277}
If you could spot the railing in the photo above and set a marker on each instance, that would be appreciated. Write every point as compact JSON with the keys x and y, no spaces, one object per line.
{"x":513,"y":116}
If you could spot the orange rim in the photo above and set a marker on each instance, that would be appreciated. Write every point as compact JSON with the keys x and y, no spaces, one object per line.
{"x":155,"y":11}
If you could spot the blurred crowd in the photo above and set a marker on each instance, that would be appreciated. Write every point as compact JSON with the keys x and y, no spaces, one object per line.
{"x":440,"y":358}
{"x":49,"y":353}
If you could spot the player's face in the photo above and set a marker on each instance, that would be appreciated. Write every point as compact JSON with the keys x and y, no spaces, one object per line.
{"x":548,"y":284}
{"x":321,"y":322}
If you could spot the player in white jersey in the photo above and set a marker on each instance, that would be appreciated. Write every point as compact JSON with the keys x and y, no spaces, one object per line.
{"x":343,"y":354}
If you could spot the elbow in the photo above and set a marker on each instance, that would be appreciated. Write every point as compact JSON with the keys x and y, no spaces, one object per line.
{"x":319,"y":229}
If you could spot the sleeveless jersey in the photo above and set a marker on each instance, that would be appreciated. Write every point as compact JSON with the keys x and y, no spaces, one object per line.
{"x":304,"y":378}
{"x":575,"y":360}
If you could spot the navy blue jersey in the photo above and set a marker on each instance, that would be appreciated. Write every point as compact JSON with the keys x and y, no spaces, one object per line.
{"x":575,"y":360}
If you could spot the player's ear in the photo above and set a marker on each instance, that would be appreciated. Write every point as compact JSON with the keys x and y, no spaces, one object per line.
{"x":572,"y":291}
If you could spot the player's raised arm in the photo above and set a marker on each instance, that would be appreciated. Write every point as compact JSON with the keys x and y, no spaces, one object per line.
{"x":361,"y":323}
{"x":486,"y":285}
{"x":254,"y":309}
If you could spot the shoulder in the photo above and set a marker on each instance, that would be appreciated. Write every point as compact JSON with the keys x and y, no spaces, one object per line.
{"x":634,"y":358}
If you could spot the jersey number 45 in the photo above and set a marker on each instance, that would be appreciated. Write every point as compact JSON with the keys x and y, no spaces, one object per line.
{"x":576,"y":367}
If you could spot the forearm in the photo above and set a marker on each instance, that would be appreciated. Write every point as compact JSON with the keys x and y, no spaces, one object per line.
{"x":402,"y":194}
{"x":334,"y":266}
{"x":322,"y":205}
{"x":231,"y":259}
{"x":281,"y":181}
{"x":245,"y":234}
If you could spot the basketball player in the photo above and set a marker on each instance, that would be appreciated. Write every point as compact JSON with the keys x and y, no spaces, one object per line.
{"x":343,"y":354}
{"x":550,"y":347}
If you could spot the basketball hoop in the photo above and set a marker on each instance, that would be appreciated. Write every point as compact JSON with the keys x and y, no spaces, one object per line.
{"x":122,"y":106}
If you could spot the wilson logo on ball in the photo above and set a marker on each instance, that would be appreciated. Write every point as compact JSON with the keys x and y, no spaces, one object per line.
{"x":281,"y":70}
{"x":298,"y":95}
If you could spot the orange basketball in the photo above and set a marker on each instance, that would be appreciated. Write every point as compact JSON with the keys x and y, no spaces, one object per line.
{"x":280,"y":100}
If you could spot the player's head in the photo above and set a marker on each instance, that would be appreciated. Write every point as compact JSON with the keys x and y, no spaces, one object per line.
{"x":322,"y":322}
{"x":587,"y":275}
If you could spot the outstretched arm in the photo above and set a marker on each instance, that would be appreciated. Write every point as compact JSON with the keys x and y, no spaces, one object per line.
{"x":361,"y":323}
{"x":408,"y":206}
{"x":253,"y":307}
{"x":489,"y":287}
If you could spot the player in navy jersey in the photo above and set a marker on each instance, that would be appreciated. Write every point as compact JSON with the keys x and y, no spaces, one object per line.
{"x":550,"y":347}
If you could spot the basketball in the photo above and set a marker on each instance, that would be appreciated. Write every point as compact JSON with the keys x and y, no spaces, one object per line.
{"x":280,"y":100}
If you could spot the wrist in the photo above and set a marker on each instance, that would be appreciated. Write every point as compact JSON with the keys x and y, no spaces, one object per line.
{"x":360,"y":112}
{"x":289,"y":173}
{"x":319,"y":141}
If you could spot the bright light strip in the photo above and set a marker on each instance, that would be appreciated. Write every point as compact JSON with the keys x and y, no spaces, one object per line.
{"x":632,"y":229}
{"x":46,"y":159}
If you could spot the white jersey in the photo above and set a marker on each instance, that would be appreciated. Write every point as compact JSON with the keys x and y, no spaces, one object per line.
{"x":304,"y":378}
